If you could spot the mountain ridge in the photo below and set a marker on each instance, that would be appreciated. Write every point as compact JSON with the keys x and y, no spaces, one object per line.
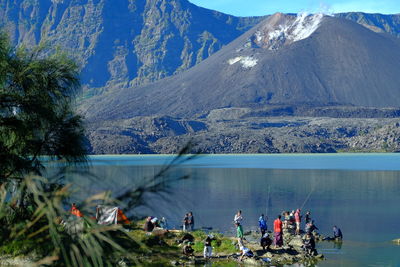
{"x":341,"y":63}
{"x":132,"y":43}
{"x":128,"y":44}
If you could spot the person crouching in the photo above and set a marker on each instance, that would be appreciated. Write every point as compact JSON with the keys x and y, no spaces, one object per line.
{"x":265,"y":241}
{"x":187,"y":249}
{"x":245,"y":252}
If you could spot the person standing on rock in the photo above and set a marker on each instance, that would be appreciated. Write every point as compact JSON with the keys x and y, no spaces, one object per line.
{"x":262,"y":223}
{"x":239,"y":233}
{"x":310,"y":227}
{"x":308,"y":217}
{"x":191,"y":221}
{"x":278,"y":232}
{"x":238,"y":217}
{"x":297,"y":218}
{"x":286,"y":219}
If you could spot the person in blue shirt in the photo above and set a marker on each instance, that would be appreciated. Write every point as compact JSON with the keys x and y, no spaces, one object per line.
{"x":337,"y":233}
{"x":262,"y":223}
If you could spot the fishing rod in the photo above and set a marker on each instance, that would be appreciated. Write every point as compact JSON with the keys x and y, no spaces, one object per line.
{"x":308,"y":197}
{"x":267,"y":207}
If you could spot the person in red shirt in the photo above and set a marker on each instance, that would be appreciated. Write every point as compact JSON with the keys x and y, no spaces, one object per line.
{"x":75,"y":211}
{"x":278,"y":232}
{"x":297,"y":218}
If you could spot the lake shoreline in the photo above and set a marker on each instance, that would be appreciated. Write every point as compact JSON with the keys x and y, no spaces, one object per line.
{"x":225,"y":247}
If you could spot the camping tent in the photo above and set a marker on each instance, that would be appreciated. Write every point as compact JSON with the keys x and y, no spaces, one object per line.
{"x":110,"y":215}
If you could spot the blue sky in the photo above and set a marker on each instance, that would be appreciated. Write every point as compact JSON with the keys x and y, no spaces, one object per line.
{"x":264,"y":7}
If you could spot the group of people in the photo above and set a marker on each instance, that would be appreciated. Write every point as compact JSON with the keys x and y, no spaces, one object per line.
{"x":292,"y":223}
{"x":292,"y":220}
{"x":153,"y":222}
{"x":188,"y":222}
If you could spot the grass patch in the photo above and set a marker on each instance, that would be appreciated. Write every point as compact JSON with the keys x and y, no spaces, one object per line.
{"x":225,"y":245}
{"x":221,"y":244}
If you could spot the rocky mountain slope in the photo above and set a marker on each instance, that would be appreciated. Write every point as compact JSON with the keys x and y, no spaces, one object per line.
{"x":376,"y":22}
{"x":124,"y":42}
{"x":285,"y":60}
{"x":122,"y":45}
{"x":341,"y":68}
{"x":133,"y":42}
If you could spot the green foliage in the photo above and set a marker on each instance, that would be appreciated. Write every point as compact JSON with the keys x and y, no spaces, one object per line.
{"x":224,"y":245}
{"x":198,"y":246}
{"x":200,"y":235}
{"x":17,"y":247}
{"x":39,"y":233}
{"x":36,"y":114}
{"x":37,"y":119}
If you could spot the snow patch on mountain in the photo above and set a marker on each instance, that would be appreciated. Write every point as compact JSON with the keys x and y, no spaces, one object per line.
{"x":234,"y":60}
{"x":289,"y":30}
{"x":247,"y":62}
{"x":304,"y":26}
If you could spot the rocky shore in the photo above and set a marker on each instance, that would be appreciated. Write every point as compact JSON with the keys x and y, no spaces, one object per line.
{"x":243,"y":131}
{"x":166,"y":248}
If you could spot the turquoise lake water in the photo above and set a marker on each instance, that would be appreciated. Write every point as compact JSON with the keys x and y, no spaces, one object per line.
{"x":358,"y":192}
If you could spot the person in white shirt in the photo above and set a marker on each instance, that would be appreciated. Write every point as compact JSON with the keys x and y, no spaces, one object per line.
{"x":246,"y":252}
{"x":238,"y":217}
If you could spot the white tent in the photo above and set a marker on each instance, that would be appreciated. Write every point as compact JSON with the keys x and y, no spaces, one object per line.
{"x":110,"y":215}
